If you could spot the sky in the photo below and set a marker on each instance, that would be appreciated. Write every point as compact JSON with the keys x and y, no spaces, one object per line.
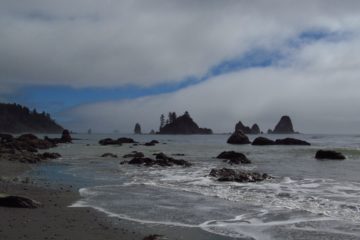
{"x":108,"y":64}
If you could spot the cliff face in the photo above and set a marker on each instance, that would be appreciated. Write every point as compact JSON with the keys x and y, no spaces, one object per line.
{"x":284,"y":126}
{"x":183,"y":125}
{"x":15,"y":118}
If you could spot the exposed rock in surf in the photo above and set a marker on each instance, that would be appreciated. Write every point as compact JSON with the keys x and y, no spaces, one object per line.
{"x":152,"y":237}
{"x":48,"y":155}
{"x":284,"y":126}
{"x":112,"y":155}
{"x":261,"y":141}
{"x":151,"y":143}
{"x":119,"y":141}
{"x":329,"y":154}
{"x":66,"y":137}
{"x":238,"y":137}
{"x":226,"y":175}
{"x":233,"y":157}
{"x":134,"y":154}
{"x":291,"y":141}
{"x":18,"y":202}
{"x":255,"y":129}
{"x":161,"y":160}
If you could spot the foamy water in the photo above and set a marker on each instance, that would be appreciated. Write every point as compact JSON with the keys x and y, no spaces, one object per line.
{"x":307,"y":199}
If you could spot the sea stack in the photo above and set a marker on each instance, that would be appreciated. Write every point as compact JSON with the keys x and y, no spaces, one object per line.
{"x":137,"y":129}
{"x":284,"y":126}
{"x":247,"y":130}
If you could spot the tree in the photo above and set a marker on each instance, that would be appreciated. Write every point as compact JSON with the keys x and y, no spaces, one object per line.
{"x":162,"y":121}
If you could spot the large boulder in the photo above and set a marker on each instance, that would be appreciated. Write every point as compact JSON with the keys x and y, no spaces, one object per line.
{"x":226,"y":174}
{"x":284,"y":126}
{"x":238,"y":137}
{"x":66,"y":137}
{"x":329,"y":154}
{"x":233,"y":157}
{"x":18,"y":202}
{"x":291,"y":141}
{"x":262,"y":141}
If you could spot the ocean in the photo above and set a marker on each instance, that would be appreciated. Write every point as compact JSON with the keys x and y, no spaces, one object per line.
{"x":306,"y":199}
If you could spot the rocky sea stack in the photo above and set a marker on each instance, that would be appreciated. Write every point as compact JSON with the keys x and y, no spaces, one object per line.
{"x":181,"y":125}
{"x":238,"y":137}
{"x":137,"y":128}
{"x":255,"y":129}
{"x":284,"y":126}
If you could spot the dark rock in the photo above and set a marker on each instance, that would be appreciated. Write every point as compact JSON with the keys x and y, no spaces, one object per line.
{"x":328,"y":154}
{"x":137,"y":129}
{"x":152,"y":237}
{"x":291,"y":141}
{"x":255,"y":129}
{"x":125,"y":140}
{"x":161,"y":160}
{"x":183,"y":125}
{"x":178,"y":154}
{"x":66,"y":137}
{"x":261,"y":141}
{"x":284,"y":126}
{"x":108,"y":141}
{"x":48,"y":155}
{"x":18,"y":202}
{"x":238,"y":137}
{"x":234,"y":157}
{"x":226,"y":174}
{"x":4,"y":138}
{"x":134,"y":154}
{"x":151,"y":143}
{"x":109,"y":155}
{"x":27,"y":137}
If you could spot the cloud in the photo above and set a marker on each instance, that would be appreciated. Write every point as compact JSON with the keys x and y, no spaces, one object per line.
{"x":114,"y":43}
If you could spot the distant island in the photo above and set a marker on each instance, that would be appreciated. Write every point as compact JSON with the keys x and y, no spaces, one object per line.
{"x":180,"y":125}
{"x":255,"y":129}
{"x":15,"y":118}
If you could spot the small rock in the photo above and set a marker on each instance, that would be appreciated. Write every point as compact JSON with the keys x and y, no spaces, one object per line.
{"x":328,"y":154}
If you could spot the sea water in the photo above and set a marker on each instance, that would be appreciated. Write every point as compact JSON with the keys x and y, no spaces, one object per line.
{"x":306,"y":199}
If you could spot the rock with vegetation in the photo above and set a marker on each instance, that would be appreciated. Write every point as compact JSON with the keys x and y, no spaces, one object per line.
{"x":137,"y":128}
{"x":329,"y":154}
{"x":181,"y":125}
{"x":15,"y":118}
{"x":233,"y":157}
{"x":238,"y":137}
{"x":233,"y":175}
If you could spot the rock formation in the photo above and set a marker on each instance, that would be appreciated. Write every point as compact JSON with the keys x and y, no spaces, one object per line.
{"x":284,"y":126}
{"x":119,"y":141}
{"x":137,"y":129}
{"x":261,"y":141}
{"x":247,"y":130}
{"x":328,"y":154}
{"x":291,"y":141}
{"x":161,"y":160}
{"x":238,"y":137}
{"x":183,"y":125}
{"x":226,"y":174}
{"x":232,"y":157}
{"x":18,"y":202}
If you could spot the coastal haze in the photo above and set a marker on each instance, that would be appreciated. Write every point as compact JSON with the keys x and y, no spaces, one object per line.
{"x":107,"y":65}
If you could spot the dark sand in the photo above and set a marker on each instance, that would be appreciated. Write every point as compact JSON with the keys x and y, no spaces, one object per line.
{"x":56,"y":220}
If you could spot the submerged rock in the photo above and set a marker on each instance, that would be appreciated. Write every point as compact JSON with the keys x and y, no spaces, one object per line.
{"x":329,"y":154}
{"x":134,"y":154}
{"x":112,"y":155}
{"x":238,"y":137}
{"x":226,"y":174}
{"x":233,"y":157}
{"x":261,"y":141}
{"x":18,"y":202}
{"x":291,"y":141}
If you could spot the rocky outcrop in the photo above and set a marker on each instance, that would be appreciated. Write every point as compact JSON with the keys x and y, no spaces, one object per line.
{"x":119,"y":141}
{"x":18,"y":202}
{"x":112,"y":155}
{"x":137,"y":128}
{"x":232,"y":175}
{"x":291,"y":141}
{"x":284,"y":126}
{"x":238,"y":137}
{"x":262,"y":141}
{"x":329,"y":154}
{"x":161,"y":160}
{"x":233,"y":157}
{"x":183,"y":125}
{"x":247,"y":130}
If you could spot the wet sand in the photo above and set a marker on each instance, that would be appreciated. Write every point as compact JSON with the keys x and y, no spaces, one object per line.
{"x":56,"y":220}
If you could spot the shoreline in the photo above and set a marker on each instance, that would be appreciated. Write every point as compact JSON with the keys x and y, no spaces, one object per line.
{"x":57,"y":220}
